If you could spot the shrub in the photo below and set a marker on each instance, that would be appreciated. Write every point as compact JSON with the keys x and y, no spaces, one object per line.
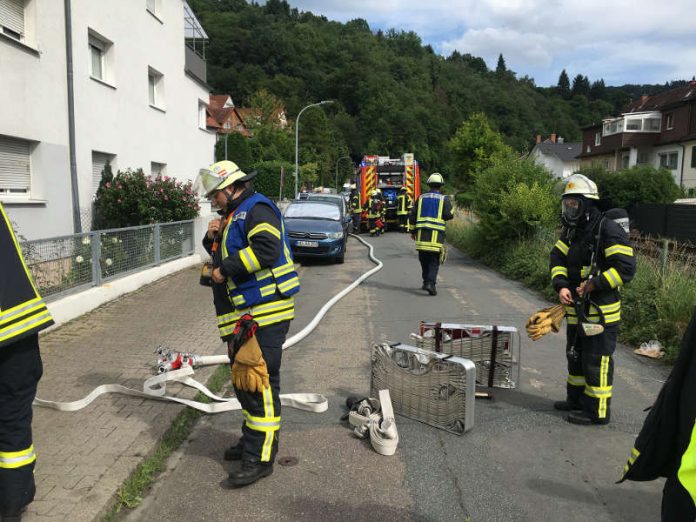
{"x":267,"y":180}
{"x":130,"y":198}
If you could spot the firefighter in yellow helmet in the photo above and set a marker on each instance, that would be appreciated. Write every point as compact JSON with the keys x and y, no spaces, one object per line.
{"x":254,"y":283}
{"x":589,"y":264}
{"x":403,"y":206}
{"x":23,"y":314}
{"x":427,"y":226}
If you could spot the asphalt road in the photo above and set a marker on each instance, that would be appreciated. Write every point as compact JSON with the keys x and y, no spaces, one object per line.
{"x":521,"y":462}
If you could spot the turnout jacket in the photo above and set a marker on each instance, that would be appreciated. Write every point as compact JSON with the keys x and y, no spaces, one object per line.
{"x":22,"y":311}
{"x":253,"y":253}
{"x":666,"y":445}
{"x":570,"y":260}
{"x":356,"y":203}
{"x":403,"y":204}
{"x":427,"y":220}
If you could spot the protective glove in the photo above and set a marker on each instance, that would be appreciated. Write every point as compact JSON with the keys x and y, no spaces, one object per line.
{"x":443,"y":254}
{"x":249,"y":371}
{"x":544,"y":321}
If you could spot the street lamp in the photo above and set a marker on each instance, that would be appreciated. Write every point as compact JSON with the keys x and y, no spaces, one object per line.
{"x":339,"y":159}
{"x":297,"y":140}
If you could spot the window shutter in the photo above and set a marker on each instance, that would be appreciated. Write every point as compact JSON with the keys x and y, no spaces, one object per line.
{"x":99,"y":160}
{"x":12,"y":15}
{"x":15,"y":165}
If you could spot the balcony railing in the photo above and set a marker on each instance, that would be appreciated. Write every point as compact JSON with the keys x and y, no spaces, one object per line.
{"x":639,"y":122}
{"x":195,"y":65}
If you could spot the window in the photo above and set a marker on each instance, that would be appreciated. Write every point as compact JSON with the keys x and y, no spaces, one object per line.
{"x":157,"y":169}
{"x":669,"y":121}
{"x":693,"y":157}
{"x":155,"y":82}
{"x":12,"y":18}
{"x":202,"y":115}
{"x":625,"y":159}
{"x":642,"y":157}
{"x":669,"y":160}
{"x":15,"y":166}
{"x":99,"y":161}
{"x":634,"y":124}
{"x":652,"y":125}
{"x":99,"y":56}
{"x":597,"y":139}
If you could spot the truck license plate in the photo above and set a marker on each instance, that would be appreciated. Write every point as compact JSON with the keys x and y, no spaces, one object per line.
{"x":313,"y":244}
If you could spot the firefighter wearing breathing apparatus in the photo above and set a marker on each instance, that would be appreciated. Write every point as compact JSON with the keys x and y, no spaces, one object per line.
{"x":426,"y":223}
{"x":23,"y":314}
{"x":589,"y":264}
{"x":254,"y":281}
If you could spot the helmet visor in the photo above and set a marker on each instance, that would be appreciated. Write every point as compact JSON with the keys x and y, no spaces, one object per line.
{"x":572,"y":209}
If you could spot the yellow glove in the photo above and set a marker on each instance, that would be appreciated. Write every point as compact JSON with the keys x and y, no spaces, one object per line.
{"x":249,"y":372}
{"x":544,"y":321}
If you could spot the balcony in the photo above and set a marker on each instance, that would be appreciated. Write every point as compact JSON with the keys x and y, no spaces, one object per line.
{"x":195,"y":65}
{"x":639,"y":122}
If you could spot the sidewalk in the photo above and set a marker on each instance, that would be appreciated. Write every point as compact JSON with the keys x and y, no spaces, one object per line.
{"x":84,"y":456}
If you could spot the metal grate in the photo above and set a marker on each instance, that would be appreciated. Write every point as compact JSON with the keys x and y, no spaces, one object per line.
{"x":488,"y":346}
{"x":429,"y":387}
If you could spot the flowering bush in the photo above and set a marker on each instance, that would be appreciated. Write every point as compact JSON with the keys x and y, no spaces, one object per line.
{"x":130,"y":198}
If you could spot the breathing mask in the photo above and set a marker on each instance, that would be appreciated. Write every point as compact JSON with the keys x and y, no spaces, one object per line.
{"x":573,"y":208}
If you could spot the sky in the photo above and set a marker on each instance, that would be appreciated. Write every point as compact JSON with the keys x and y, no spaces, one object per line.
{"x":621,"y":41}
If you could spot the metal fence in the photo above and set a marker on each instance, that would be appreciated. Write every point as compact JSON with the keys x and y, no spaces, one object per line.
{"x":674,"y":221}
{"x":63,"y":264}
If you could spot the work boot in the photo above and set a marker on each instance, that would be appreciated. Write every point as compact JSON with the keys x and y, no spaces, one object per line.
{"x":251,"y":472}
{"x":430,"y":287}
{"x":567,"y":406}
{"x":425,"y":286}
{"x":585,"y":419}
{"x":234,"y":452}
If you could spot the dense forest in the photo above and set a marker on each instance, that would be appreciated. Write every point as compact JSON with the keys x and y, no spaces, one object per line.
{"x":391,"y":93}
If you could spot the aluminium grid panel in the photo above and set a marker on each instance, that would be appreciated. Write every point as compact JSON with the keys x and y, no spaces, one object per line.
{"x":176,"y":240}
{"x":475,"y":342}
{"x":433,"y":388}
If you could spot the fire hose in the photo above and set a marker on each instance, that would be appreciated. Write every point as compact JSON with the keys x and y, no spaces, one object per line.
{"x":178,"y":367}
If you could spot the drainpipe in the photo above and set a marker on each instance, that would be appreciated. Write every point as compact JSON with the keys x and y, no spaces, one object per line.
{"x":77,"y":225}
{"x":683,"y":160}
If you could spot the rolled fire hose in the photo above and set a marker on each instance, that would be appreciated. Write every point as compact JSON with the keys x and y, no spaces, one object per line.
{"x":375,"y":419}
{"x":155,"y":387}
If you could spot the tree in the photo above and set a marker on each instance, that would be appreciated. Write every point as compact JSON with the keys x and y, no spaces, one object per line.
{"x":564,"y":85}
{"x":500,"y":69}
{"x":598,"y":90}
{"x":581,"y":86}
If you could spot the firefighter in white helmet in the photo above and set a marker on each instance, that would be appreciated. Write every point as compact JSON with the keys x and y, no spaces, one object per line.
{"x":254,"y":281}
{"x":427,"y":226}
{"x":589,"y":264}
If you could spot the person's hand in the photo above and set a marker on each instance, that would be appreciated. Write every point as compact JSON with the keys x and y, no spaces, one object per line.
{"x":585,"y":287}
{"x":217,"y":275}
{"x":213,"y":228}
{"x":565,"y":296}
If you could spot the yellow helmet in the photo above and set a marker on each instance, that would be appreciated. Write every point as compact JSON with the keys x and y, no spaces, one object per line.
{"x":436,"y":179}
{"x":218,"y":176}
{"x":579,"y":185}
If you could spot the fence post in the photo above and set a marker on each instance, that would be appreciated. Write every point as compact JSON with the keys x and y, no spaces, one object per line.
{"x":664,"y":255}
{"x":156,"y":239}
{"x":96,"y":257}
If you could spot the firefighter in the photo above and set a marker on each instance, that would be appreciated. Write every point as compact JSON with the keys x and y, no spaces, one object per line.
{"x":253,"y":273}
{"x":356,"y":206}
{"x":426,"y":223}
{"x":374,"y":212}
{"x":589,"y":264}
{"x":403,"y":206}
{"x":23,"y":314}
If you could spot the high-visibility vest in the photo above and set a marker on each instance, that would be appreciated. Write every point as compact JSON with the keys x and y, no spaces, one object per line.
{"x":22,"y":311}
{"x":430,"y":225}
{"x":265,"y":293}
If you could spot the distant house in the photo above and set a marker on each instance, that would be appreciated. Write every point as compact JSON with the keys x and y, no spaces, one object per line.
{"x":559,"y":157}
{"x":223,"y":117}
{"x":657,"y":130}
{"x":254,"y":117}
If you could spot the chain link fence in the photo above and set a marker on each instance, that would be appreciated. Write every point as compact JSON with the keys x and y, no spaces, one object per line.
{"x":62,"y":264}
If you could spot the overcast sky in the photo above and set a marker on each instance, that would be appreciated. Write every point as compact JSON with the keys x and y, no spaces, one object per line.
{"x":622,"y":41}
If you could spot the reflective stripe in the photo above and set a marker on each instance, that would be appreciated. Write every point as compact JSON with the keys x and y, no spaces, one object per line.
{"x":634,"y":455}
{"x":687,"y":467}
{"x":284,"y":269}
{"x":560,"y":245}
{"x":598,"y":392}
{"x":618,"y":249}
{"x":264,"y":227}
{"x":613,"y":278}
{"x":41,"y":317}
{"x":571,"y":319}
{"x":431,"y":247}
{"x":17,"y":459}
{"x":585,"y":271}
{"x":249,"y":259}
{"x":570,"y":310}
{"x":576,"y":380}
{"x":263,"y":274}
{"x":603,"y":382}
{"x":289,"y":284}
{"x":559,"y":271}
{"x":238,"y":300}
{"x":268,"y":289}
{"x":20,"y":309}
{"x":268,"y":424}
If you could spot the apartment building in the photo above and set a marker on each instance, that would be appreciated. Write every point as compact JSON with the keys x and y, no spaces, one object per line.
{"x":124,"y":81}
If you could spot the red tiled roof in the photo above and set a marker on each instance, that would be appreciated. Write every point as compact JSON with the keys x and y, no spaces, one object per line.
{"x":664,"y":99}
{"x":217,"y":101}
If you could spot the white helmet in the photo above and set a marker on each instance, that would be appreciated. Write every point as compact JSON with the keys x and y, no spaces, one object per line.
{"x":579,"y":185}
{"x":218,"y":176}
{"x":435,"y":179}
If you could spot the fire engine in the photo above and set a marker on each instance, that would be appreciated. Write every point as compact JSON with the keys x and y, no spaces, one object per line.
{"x":388,"y":175}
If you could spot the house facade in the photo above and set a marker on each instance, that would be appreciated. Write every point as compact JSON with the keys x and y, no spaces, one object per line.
{"x":558,"y":156}
{"x":657,"y":130}
{"x":124,"y":82}
{"x":224,"y":117}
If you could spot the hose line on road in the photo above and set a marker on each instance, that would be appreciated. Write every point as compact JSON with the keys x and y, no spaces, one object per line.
{"x":155,"y":387}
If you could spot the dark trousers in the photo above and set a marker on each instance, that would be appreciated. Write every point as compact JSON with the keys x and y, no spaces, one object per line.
{"x":677,"y":504}
{"x":430,"y":264}
{"x":20,"y":371}
{"x":261,"y":444}
{"x":357,"y":218}
{"x":591,"y":370}
{"x":403,"y":222}
{"x":372,"y":223}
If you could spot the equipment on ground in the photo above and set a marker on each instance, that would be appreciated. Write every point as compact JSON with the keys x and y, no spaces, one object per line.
{"x":544,"y":321}
{"x":374,"y":418}
{"x":389,"y":175}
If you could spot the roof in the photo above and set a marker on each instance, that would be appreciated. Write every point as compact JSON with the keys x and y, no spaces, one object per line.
{"x":664,"y":99}
{"x":563,"y":151}
{"x":218,"y":101}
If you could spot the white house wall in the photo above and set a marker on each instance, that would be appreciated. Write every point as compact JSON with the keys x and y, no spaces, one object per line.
{"x":665,"y":149}
{"x":554,"y":164}
{"x":689,"y":180}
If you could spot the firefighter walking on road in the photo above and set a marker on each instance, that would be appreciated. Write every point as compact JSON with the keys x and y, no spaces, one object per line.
{"x":427,"y":226}
{"x":23,"y":315}
{"x":254,"y":281}
{"x":356,"y":206}
{"x":589,"y":264}
{"x":403,"y":206}
{"x":374,"y":213}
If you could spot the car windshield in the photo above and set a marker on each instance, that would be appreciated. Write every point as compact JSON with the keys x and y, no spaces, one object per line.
{"x":313,"y":211}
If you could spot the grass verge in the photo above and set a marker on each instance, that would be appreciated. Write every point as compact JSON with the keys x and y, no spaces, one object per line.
{"x":130,"y":494}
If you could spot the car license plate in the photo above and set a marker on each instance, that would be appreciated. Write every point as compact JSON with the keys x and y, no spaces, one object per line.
{"x":313,"y":244}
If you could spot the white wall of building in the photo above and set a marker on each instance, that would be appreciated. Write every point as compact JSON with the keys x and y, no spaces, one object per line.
{"x":113,"y":116}
{"x":689,"y":175}
{"x":668,"y":149}
{"x":554,"y":164}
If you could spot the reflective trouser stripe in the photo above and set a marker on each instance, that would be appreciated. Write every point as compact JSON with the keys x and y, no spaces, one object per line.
{"x":576,"y":380}
{"x":603,"y":392}
{"x":17,"y":459}
{"x":267,"y":424}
